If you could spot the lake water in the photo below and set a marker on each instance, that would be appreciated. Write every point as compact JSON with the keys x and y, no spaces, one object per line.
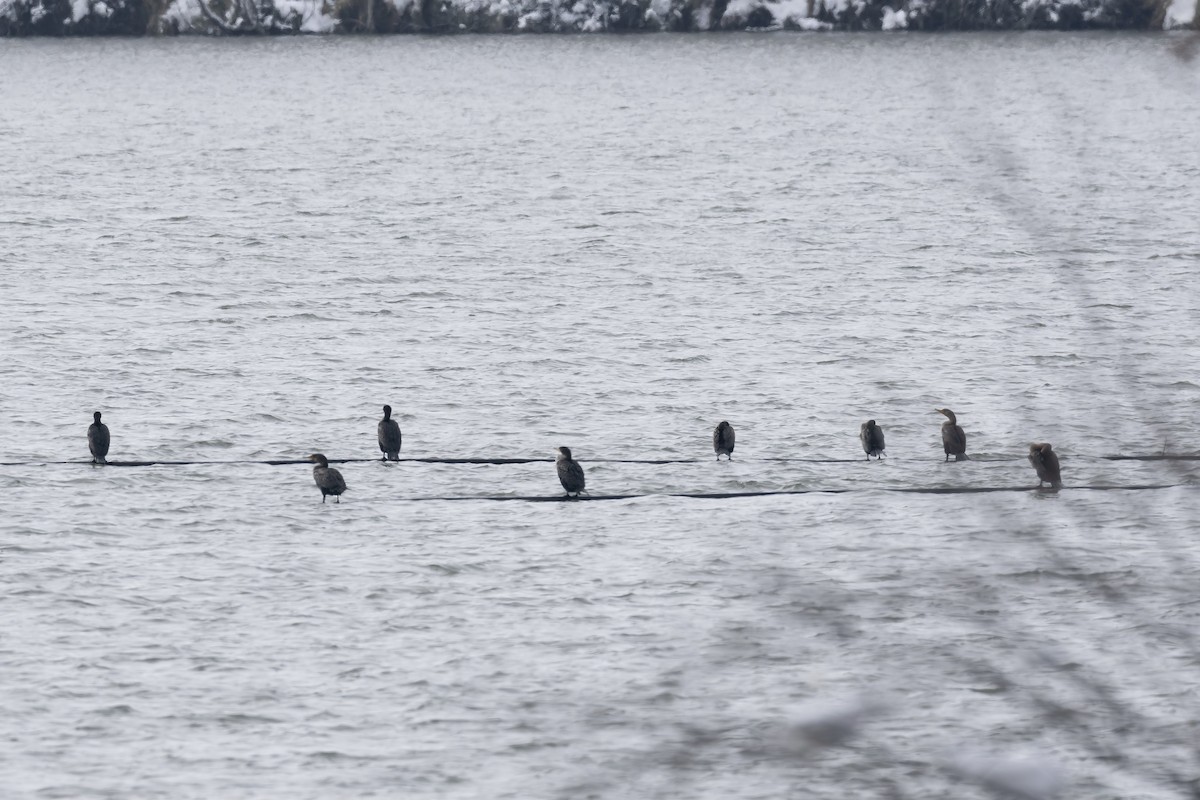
{"x":240,"y":250}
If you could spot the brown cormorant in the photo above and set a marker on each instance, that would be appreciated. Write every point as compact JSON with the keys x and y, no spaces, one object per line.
{"x":389,"y":436}
{"x":1045,"y":461}
{"x":954,"y":440}
{"x":570,"y":472}
{"x":98,"y":440}
{"x":872,"y":439}
{"x":723,"y":440}
{"x":328,"y":479}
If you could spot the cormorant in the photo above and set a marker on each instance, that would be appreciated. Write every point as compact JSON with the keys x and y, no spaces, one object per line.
{"x":328,"y":479}
{"x":98,"y":440}
{"x":954,"y":440}
{"x":1045,"y":461}
{"x":723,"y":440}
{"x":389,"y":436}
{"x":570,"y":472}
{"x":872,"y":439}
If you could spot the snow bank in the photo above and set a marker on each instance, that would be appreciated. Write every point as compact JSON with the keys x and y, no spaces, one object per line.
{"x":893,"y":20}
{"x":1180,"y":14}
{"x":310,"y":16}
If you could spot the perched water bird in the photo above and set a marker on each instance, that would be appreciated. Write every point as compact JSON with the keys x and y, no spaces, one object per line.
{"x":1045,"y":461}
{"x":389,"y":436}
{"x":954,"y":440}
{"x":570,"y":472}
{"x":723,"y":440}
{"x":328,"y":479}
{"x":872,"y":439}
{"x":98,"y":440}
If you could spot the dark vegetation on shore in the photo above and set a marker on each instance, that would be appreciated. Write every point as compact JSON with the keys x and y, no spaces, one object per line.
{"x":269,"y":17}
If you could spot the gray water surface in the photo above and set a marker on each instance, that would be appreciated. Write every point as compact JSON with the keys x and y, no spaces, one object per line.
{"x":240,"y":250}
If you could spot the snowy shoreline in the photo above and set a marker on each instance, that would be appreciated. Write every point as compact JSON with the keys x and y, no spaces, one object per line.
{"x":271,"y":17}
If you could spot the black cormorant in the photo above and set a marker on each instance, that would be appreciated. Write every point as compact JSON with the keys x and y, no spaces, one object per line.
{"x":98,"y":440}
{"x":723,"y":440}
{"x":328,"y":479}
{"x":389,"y":436}
{"x":570,"y":472}
{"x":954,"y":440}
{"x":1045,"y":461}
{"x":872,"y":439}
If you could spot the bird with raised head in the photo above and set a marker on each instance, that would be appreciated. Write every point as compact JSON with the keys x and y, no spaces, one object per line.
{"x":98,"y":440}
{"x":328,"y":479}
{"x":570,"y":472}
{"x":389,"y":436}
{"x":954,"y":439}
